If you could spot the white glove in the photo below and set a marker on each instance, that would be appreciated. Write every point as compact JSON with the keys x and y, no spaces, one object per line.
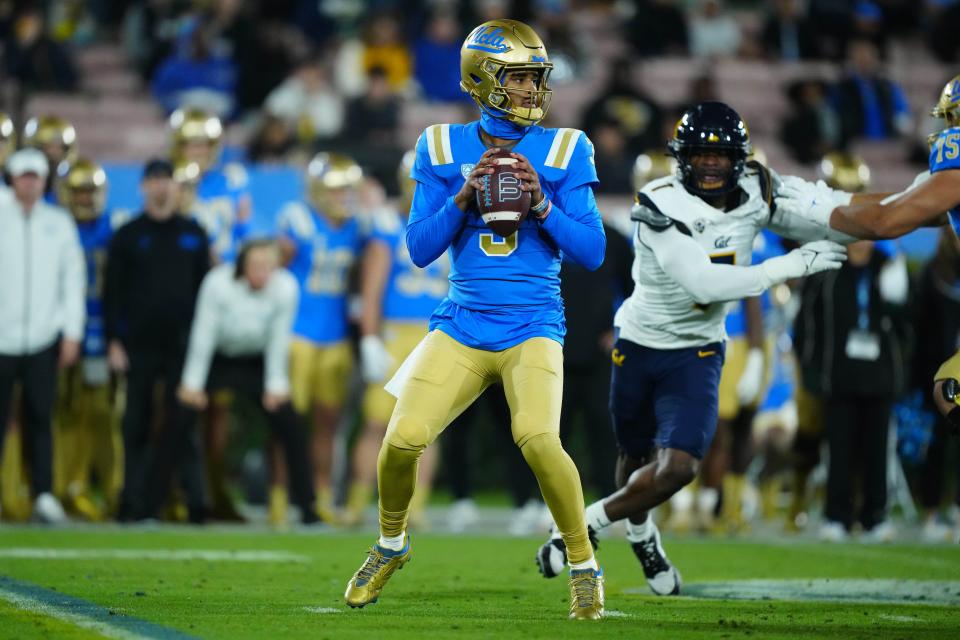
{"x":375,"y":360}
{"x":812,"y":201}
{"x":894,"y":282}
{"x":811,"y":258}
{"x":751,"y":380}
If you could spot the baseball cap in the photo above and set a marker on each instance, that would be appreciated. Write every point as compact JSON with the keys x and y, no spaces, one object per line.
{"x":28,"y":161}
{"x":158,"y":168}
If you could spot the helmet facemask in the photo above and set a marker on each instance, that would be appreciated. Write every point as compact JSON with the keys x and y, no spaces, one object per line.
{"x":333,"y":183}
{"x":501,"y":100}
{"x":709,"y":181}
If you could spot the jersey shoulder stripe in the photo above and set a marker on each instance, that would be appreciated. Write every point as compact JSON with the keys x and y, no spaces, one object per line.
{"x":295,"y":219}
{"x":561,"y":150}
{"x":437,"y":139}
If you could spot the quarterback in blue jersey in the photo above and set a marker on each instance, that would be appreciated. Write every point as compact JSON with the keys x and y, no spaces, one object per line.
{"x":398,"y":298}
{"x":923,"y":204}
{"x":87,"y":426}
{"x":502,"y":320}
{"x":323,"y":239}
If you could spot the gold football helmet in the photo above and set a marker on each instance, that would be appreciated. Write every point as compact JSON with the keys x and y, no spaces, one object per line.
{"x":83,"y":190}
{"x":332,"y":182}
{"x":8,"y":138}
{"x":651,"y":165}
{"x":845,"y":171}
{"x":948,"y":106}
{"x":493,"y":50}
{"x":53,"y":135}
{"x":406,"y":183}
{"x":196,"y":137}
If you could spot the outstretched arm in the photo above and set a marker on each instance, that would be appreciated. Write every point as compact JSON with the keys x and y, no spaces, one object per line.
{"x":685,"y":261}
{"x":891,"y":218}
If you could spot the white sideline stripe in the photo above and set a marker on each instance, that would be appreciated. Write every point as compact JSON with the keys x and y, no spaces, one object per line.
{"x":322,"y":610}
{"x":210,"y":555}
{"x":848,"y":590}
{"x":34,"y":605}
{"x":887,"y":616}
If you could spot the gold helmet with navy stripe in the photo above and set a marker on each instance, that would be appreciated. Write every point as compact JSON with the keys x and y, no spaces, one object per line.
{"x":53,"y":135}
{"x":83,"y":190}
{"x":492,"y":51}
{"x":845,"y":171}
{"x":196,"y":136}
{"x":332,"y":182}
{"x":651,"y":165}
{"x":8,"y":138}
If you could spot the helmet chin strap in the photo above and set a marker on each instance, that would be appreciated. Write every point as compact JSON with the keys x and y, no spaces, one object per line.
{"x":501,"y":127}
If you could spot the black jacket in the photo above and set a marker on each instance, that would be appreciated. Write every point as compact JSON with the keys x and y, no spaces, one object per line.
{"x":154,"y":270}
{"x":829,"y":311}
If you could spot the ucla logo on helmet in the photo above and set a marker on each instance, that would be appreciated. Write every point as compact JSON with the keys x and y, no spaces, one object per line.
{"x":489,"y":39}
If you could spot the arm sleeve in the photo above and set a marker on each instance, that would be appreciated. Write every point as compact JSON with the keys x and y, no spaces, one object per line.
{"x":74,"y":281}
{"x":575,"y":225}
{"x":275,"y":374}
{"x":688,"y":265}
{"x":203,"y":337}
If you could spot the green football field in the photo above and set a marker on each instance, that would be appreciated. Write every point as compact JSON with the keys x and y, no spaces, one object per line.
{"x":234,"y":583}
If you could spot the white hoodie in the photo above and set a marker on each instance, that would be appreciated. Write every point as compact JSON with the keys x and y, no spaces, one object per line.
{"x":42,"y":277}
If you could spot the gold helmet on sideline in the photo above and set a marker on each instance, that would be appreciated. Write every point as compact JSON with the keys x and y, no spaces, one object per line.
{"x":53,"y":135}
{"x":405,"y":182}
{"x":493,"y":50}
{"x":83,"y":190}
{"x":651,"y":165}
{"x":192,"y":126}
{"x":948,"y":106}
{"x":332,"y":181}
{"x":845,"y":171}
{"x":8,"y":138}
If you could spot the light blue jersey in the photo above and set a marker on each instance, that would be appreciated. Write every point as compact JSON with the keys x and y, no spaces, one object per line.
{"x":504,"y":291}
{"x":411,"y":293}
{"x":324,"y":256}
{"x":765,"y":246}
{"x":219,"y":196}
{"x":95,"y":238}
{"x":945,"y":155}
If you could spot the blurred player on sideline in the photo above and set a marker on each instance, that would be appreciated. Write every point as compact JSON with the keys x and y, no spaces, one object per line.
{"x":398,"y":299}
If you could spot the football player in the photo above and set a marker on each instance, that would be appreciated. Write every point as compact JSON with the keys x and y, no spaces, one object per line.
{"x":221,"y":203}
{"x":398,"y":298}
{"x":503,"y":319}
{"x":57,"y":139}
{"x":693,"y":240}
{"x":923,"y":204}
{"x":323,"y":240}
{"x":87,"y":432}
{"x":216,"y":197}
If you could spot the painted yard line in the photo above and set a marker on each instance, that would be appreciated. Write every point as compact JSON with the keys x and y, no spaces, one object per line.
{"x":209,"y":555}
{"x":83,"y":614}
{"x":613,"y":613}
{"x":322,"y":610}
{"x":869,"y":591}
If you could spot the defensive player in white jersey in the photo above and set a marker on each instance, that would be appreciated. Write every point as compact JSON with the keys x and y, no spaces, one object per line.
{"x":693,"y":240}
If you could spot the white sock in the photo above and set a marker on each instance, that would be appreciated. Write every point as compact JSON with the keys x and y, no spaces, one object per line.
{"x":597,"y":516}
{"x":707,"y":501}
{"x":589,"y":564}
{"x":640,"y":532}
{"x":394,"y":543}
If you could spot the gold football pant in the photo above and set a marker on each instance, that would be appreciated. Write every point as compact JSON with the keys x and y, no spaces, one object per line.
{"x":86,"y":439}
{"x":448,"y":377}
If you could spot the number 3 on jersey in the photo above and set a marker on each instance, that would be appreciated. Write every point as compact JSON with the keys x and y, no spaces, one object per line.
{"x":497,"y":247}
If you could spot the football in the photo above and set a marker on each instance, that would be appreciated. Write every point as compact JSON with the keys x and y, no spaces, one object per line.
{"x":503,"y":205}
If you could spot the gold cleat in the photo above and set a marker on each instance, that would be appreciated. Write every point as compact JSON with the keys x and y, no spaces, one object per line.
{"x":586,"y":594}
{"x":367,"y":583}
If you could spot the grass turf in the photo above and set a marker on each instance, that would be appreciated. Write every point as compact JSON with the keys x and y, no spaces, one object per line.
{"x":460,"y":587}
